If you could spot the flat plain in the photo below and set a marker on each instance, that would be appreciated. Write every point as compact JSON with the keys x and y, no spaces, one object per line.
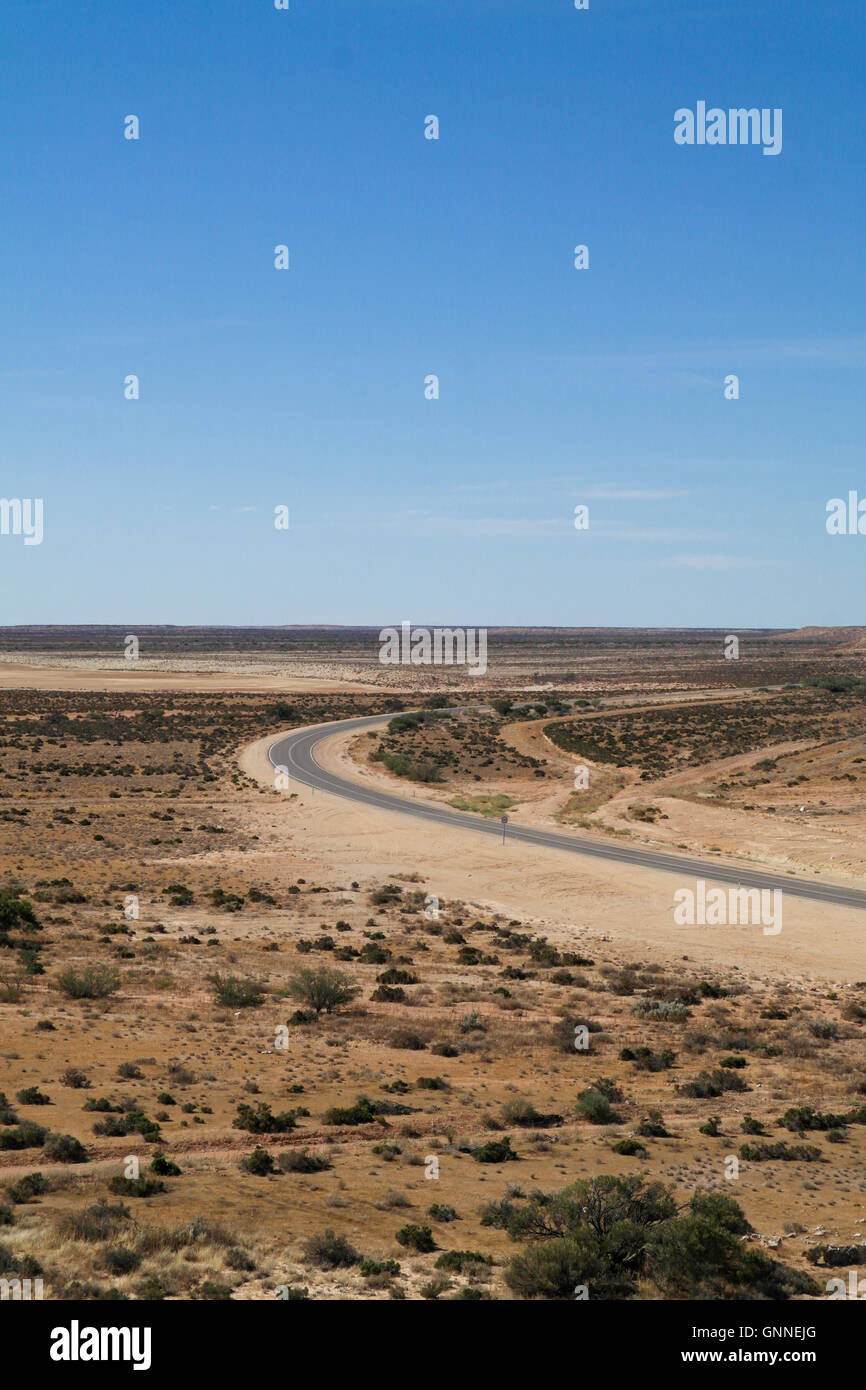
{"x":500,"y":1023}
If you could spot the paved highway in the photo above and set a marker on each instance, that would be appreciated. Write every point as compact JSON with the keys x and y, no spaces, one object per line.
{"x":296,"y":753}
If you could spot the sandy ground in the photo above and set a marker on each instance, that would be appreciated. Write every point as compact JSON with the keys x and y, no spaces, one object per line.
{"x":143,"y":675}
{"x":571,"y":899}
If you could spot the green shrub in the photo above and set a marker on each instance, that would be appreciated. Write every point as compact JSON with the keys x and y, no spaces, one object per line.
{"x":300,"y":1161}
{"x":93,"y":982}
{"x":322,"y":989}
{"x":135,"y":1187}
{"x":652,"y":1126}
{"x":259,"y":1163}
{"x":595,"y":1107}
{"x":132,"y":1122}
{"x":24,"y":1136}
{"x":77,"y":1079}
{"x":418,"y":1238}
{"x":393,"y":976}
{"x":232,"y":992}
{"x":261,"y":1120}
{"x":163,"y":1167}
{"x":833,"y":1256}
{"x":95,"y":1223}
{"x":440,"y":1212}
{"x":646,"y":1060}
{"x":630,"y":1148}
{"x":455,"y":1261}
{"x":64,"y":1148}
{"x":121,"y":1260}
{"x":797,"y":1153}
{"x":31,"y":1095}
{"x":710,"y":1085}
{"x":612,"y":1234}
{"x":802,"y":1118}
{"x":494,"y":1151}
{"x":375,"y":1268}
{"x":27,"y":1189}
{"x":16,"y":914}
{"x":330,"y":1251}
{"x":662,"y":1010}
{"x":361,"y":1113}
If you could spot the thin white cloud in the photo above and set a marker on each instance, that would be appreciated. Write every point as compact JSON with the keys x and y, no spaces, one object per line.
{"x":433,"y":526}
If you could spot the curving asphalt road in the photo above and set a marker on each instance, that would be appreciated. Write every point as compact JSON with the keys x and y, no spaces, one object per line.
{"x":296,"y":753}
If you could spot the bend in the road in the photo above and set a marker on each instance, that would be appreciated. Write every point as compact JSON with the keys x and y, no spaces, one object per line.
{"x":296,"y":753}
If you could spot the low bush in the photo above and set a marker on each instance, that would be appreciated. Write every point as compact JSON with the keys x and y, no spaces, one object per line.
{"x":417,"y":1238}
{"x":330,"y":1251}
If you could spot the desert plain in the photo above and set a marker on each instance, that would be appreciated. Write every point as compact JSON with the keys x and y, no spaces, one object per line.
{"x":183,"y":1117}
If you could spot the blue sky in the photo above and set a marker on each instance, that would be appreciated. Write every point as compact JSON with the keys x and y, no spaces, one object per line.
{"x":409,"y":257}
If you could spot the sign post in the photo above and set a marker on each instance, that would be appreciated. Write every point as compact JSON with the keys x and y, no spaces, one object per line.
{"x":504,"y":820}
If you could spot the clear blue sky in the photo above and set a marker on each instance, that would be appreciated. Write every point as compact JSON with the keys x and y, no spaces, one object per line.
{"x":411,"y":256}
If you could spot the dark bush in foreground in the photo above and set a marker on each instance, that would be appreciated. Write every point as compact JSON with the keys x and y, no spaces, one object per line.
{"x":418,"y":1238}
{"x":132,"y":1122}
{"x":135,"y":1187}
{"x":259,"y":1163}
{"x":24,"y":1266}
{"x":235,"y":993}
{"x":440,"y":1212}
{"x":300,"y":1161}
{"x":27,"y":1189}
{"x":494,"y":1151}
{"x":595,"y":1107}
{"x":323,"y":989}
{"x":31,"y":1095}
{"x":630,"y":1148}
{"x":835,"y":1255}
{"x":709,"y":1085}
{"x":96,"y":1223}
{"x":261,"y":1121}
{"x":121,"y":1260}
{"x":93,"y":982}
{"x":610,"y":1233}
{"x":455,"y":1261}
{"x":361,"y":1113}
{"x":330,"y":1251}
{"x":23,"y":1136}
{"x":797,"y":1153}
{"x":163,"y":1167}
{"x":652,"y":1126}
{"x":65,"y":1148}
{"x":524,"y":1113}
